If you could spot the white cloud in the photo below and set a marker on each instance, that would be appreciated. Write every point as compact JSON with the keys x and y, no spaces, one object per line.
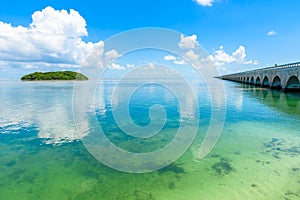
{"x":58,"y":22}
{"x":110,"y":59}
{"x":150,"y":66}
{"x":220,"y":57}
{"x":30,"y":66}
{"x":205,"y":2}
{"x":222,"y":69}
{"x":175,"y":60}
{"x":116,"y":66}
{"x":112,"y":55}
{"x":4,"y":65}
{"x":41,"y":66}
{"x":239,"y":55}
{"x":130,"y":65}
{"x":54,"y":36}
{"x":179,"y":62}
{"x":191,"y":55}
{"x":95,"y":59}
{"x":188,"y":42}
{"x":169,"y":57}
{"x":271,"y":33}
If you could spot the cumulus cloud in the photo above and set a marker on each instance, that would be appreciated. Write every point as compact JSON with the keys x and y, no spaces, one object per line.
{"x":54,"y":36}
{"x":116,"y":66}
{"x":179,"y":62}
{"x":151,"y":65}
{"x":169,"y":57}
{"x":130,"y":65}
{"x":175,"y":60}
{"x":271,"y":33}
{"x":191,"y":55}
{"x":110,"y":59}
{"x":205,"y":2}
{"x":220,"y":57}
{"x":111,"y":55}
{"x":188,"y":42}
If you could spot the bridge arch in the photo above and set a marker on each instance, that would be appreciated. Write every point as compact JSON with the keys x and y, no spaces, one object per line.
{"x":276,"y":83}
{"x":293,"y":83}
{"x":266,"y":82}
{"x":285,"y":77}
{"x":258,"y":82}
{"x":252,"y":80}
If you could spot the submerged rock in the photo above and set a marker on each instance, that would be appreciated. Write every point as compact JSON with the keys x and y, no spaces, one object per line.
{"x":280,"y":147}
{"x":143,"y":195}
{"x":291,"y":195}
{"x":223,"y":167}
{"x":295,"y":169}
{"x":11,"y":163}
{"x":172,"y":185}
{"x":175,"y":168}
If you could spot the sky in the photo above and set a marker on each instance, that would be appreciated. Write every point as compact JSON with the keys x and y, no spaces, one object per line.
{"x":237,"y":35}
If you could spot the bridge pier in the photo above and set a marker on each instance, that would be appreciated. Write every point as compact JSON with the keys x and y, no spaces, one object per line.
{"x":285,"y":77}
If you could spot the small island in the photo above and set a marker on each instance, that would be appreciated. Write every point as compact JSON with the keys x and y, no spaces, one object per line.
{"x":54,"y":76}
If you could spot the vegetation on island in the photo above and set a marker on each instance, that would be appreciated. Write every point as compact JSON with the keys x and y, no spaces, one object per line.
{"x":59,"y":75}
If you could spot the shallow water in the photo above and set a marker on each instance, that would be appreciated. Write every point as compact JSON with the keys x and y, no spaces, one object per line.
{"x":42,"y":156}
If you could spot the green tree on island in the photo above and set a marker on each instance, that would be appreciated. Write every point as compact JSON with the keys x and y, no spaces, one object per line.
{"x":59,"y":75}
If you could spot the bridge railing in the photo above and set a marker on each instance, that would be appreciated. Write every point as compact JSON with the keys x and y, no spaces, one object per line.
{"x":276,"y":67}
{"x":290,"y":65}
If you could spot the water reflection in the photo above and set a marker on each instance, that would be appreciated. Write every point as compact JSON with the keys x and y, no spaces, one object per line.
{"x":47,"y":107}
{"x":44,"y":106}
{"x":284,"y":102}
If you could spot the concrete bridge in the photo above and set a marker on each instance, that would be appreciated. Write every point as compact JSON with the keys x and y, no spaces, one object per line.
{"x":284,"y":77}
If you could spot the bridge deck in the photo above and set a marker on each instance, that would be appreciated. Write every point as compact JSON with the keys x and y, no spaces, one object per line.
{"x":284,"y":77}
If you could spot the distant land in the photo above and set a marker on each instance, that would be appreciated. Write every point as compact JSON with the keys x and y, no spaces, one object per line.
{"x":55,"y":76}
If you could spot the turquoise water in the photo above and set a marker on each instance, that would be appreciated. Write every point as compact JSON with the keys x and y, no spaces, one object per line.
{"x":42,"y":156}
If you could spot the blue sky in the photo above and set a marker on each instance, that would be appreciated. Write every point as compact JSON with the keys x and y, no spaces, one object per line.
{"x":269,"y":31}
